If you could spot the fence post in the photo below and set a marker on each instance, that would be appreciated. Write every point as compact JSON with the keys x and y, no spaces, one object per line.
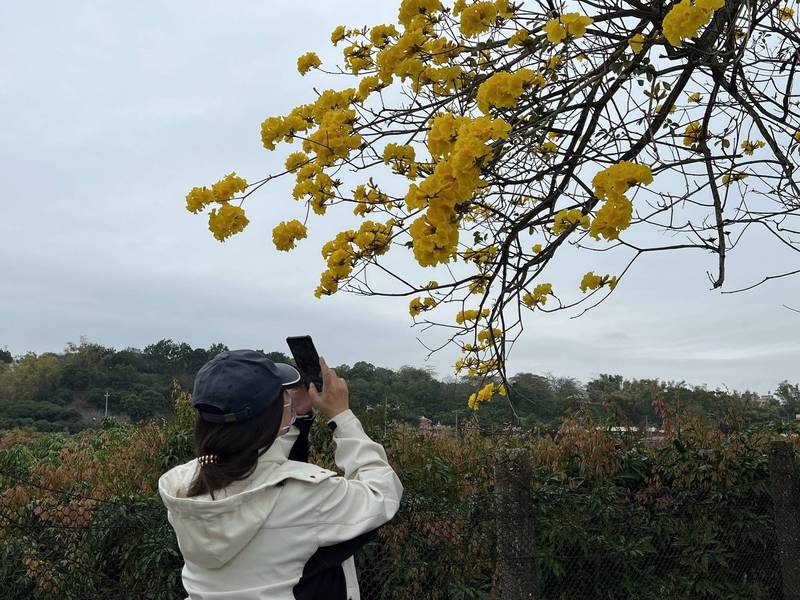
{"x":516,"y":568}
{"x":786,"y":501}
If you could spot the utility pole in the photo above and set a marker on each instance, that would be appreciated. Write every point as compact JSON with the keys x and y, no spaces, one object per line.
{"x":105,"y":415}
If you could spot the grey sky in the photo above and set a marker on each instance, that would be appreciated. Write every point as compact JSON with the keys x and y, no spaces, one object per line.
{"x":113,"y":111}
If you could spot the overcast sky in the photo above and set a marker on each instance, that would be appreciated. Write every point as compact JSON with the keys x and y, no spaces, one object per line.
{"x":112,"y":111}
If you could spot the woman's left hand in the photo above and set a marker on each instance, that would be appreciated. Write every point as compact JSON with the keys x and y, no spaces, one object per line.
{"x":301,"y":399}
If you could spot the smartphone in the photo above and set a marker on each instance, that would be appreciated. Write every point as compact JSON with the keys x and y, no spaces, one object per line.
{"x":306,"y":358}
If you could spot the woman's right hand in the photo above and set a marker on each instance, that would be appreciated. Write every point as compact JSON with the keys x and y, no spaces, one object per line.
{"x":334,"y":397}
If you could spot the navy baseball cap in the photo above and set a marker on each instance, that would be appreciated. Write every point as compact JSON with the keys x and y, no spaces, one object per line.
{"x":239,"y":384}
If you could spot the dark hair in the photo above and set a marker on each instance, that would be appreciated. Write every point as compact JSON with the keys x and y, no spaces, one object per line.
{"x":238,"y":445}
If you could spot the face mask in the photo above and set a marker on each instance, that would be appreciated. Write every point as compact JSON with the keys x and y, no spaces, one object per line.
{"x":292,"y":420}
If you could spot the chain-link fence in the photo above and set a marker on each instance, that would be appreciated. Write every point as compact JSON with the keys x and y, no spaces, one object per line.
{"x":563,"y":539}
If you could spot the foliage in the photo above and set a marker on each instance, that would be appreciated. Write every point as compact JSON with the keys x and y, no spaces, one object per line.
{"x":688,"y":518}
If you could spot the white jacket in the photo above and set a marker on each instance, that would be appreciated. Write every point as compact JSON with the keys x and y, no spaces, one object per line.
{"x":253,"y":541}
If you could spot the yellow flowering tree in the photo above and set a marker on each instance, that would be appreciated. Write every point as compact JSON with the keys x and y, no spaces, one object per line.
{"x":483,"y":138}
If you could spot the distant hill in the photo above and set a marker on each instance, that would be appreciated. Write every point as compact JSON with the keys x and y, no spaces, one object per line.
{"x":67,"y":392}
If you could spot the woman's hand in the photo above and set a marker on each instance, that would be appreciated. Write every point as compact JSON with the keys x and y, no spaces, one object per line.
{"x":301,"y":399}
{"x":334,"y":398}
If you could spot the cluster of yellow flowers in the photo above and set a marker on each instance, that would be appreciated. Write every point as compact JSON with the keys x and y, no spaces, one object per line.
{"x":546,"y":149}
{"x":222,"y":191}
{"x":565,"y":219}
{"x":568,"y":24}
{"x":226,"y":220}
{"x":308,"y":61}
{"x":411,"y":10}
{"x":485,"y":336}
{"x":692,"y":134}
{"x":332,"y":140}
{"x":459,"y":144}
{"x":729,"y":178}
{"x":286,"y":233}
{"x":519,"y":38}
{"x":636,"y":43}
{"x":695,"y":97}
{"x":503,"y":89}
{"x":295,"y":160}
{"x":480,"y":256}
{"x":471,"y":315}
{"x":485,"y":394}
{"x":371,"y":239}
{"x":413,"y":54}
{"x":480,"y":16}
{"x":785,"y":13}
{"x":368,"y":200}
{"x":418,"y":305}
{"x":539,"y":295}
{"x":750,"y":147}
{"x":312,"y":181}
{"x":685,"y":19}
{"x":591,"y":281}
{"x":358,"y":57}
{"x":401,"y":157}
{"x":610,"y":185}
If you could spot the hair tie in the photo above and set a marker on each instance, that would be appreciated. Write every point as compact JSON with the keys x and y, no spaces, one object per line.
{"x":207,"y":459}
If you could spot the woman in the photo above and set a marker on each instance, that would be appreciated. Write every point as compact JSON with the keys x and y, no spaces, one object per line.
{"x":253,"y":519}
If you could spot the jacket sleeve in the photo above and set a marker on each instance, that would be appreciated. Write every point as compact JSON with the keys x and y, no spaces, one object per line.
{"x":369,"y":493}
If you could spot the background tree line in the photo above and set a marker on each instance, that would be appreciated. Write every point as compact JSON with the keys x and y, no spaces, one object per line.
{"x":66,"y":392}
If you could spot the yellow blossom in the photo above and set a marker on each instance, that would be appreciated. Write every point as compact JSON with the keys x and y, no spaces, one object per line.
{"x":610,"y":185}
{"x":518,"y":38}
{"x":418,"y":305}
{"x":366,"y":86}
{"x":695,"y":97}
{"x":749,"y":147}
{"x":636,"y":43}
{"x":685,"y":19}
{"x":337,"y":35}
{"x":565,"y":219}
{"x":308,"y":61}
{"x":379,"y":35}
{"x":222,"y":191}
{"x":537,"y":248}
{"x":590,"y":281}
{"x":554,"y":62}
{"x":785,"y":13}
{"x":568,"y":24}
{"x":411,"y":9}
{"x":539,"y":295}
{"x":483,"y":395}
{"x":295,"y":160}
{"x":503,"y":89}
{"x":286,"y":233}
{"x":729,"y":178}
{"x":477,"y":18}
{"x":226,"y":221}
{"x":546,"y":148}
{"x":692,"y":134}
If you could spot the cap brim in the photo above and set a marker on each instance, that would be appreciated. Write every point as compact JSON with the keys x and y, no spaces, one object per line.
{"x":290,"y":376}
